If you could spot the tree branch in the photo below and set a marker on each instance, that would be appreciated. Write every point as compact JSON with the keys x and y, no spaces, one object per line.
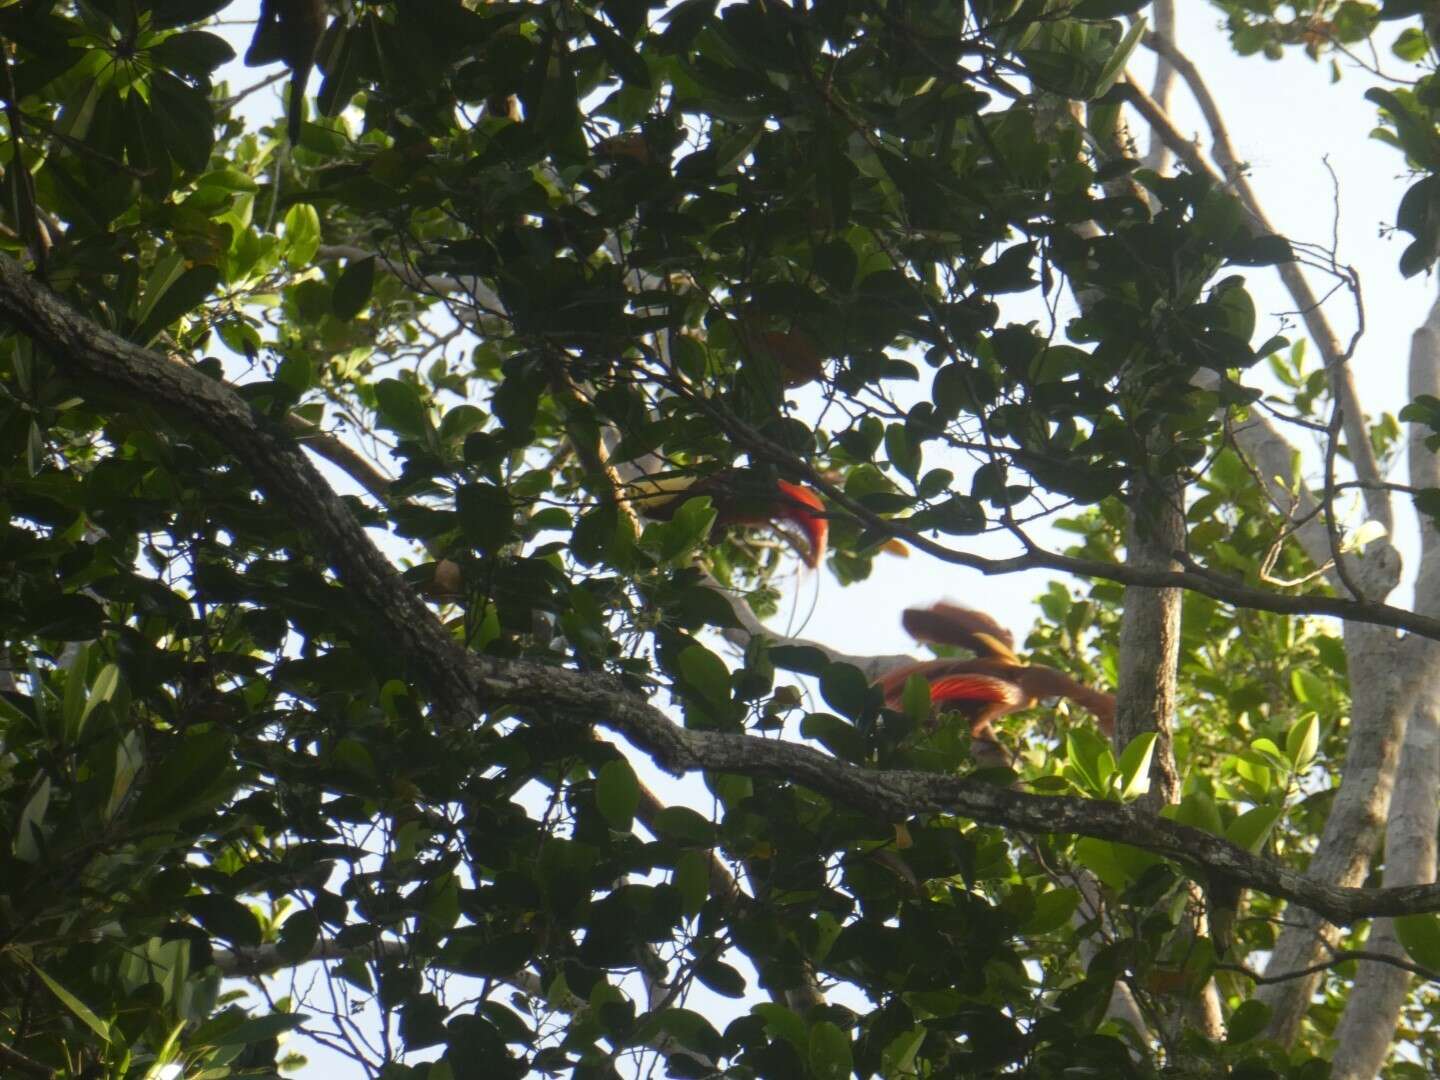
{"x":1162,"y":14}
{"x":1341,"y":956}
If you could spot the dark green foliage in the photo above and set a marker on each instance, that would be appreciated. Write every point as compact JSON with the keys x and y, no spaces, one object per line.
{"x":210,"y":756}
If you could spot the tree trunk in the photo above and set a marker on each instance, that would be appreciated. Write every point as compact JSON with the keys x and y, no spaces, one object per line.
{"x":1367,"y":1026}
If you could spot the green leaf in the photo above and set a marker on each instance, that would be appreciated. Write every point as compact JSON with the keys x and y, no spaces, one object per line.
{"x":34,"y":450}
{"x":187,"y":779}
{"x":259,"y":1028}
{"x":721,"y":978}
{"x":692,"y":878}
{"x":71,"y":617}
{"x":353,"y":289}
{"x":846,"y":689}
{"x":1264,"y":250}
{"x":898,"y":1058}
{"x":623,"y":59}
{"x":707,"y":675}
{"x":298,"y":935}
{"x":487,"y":517}
{"x":192,"y":52}
{"x":106,"y":683}
{"x":1412,"y":45}
{"x":1107,"y":9}
{"x":903,"y":456}
{"x":1052,"y":910}
{"x":183,"y":121}
{"x":617,"y":793}
{"x":187,"y":293}
{"x":915,"y":699}
{"x":1115,"y":65}
{"x":1302,"y":740}
{"x":1117,"y":865}
{"x":129,"y":759}
{"x":225,"y":917}
{"x":1251,"y":829}
{"x":675,"y":540}
{"x":1256,"y":770}
{"x":1135,"y":766}
{"x":683,"y":824}
{"x":1092,"y":759}
{"x":400,"y":408}
{"x":805,"y":659}
{"x":82,"y":1012}
{"x":692,"y":1031}
{"x":830,"y":1054}
{"x":1420,"y":934}
{"x":783,"y":1023}
{"x":73,"y":707}
{"x":302,"y":235}
{"x":27,"y":826}
{"x":1416,"y":135}
{"x":839,"y":737}
{"x":1247,"y":1022}
{"x":1308,"y":688}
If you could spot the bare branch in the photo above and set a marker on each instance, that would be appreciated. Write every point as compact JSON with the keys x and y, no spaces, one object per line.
{"x":1338,"y":957}
{"x":1162,"y":15}
{"x":340,"y":454}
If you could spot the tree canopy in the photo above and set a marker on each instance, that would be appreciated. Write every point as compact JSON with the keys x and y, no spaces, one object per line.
{"x":398,"y":487}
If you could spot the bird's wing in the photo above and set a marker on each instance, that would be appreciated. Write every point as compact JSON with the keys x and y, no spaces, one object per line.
{"x":954,"y":691}
{"x":972,"y":680}
{"x":950,"y":624}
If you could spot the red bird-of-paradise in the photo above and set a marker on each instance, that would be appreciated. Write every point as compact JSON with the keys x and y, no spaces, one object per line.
{"x":989,"y":685}
{"x":741,"y":498}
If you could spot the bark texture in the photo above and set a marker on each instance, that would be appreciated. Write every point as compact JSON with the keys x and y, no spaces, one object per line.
{"x":1367,"y":1027}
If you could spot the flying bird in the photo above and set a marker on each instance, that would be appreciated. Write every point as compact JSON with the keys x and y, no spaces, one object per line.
{"x":989,"y":685}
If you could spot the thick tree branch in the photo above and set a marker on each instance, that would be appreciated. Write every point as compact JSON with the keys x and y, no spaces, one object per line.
{"x":897,"y":794}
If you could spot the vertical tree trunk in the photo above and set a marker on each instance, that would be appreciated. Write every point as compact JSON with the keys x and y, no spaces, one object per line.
{"x":1149,"y":660}
{"x":1150,"y":634}
{"x":1367,"y":1026}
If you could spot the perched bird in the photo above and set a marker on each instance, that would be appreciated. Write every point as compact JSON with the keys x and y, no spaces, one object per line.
{"x":741,"y":497}
{"x":991,"y":684}
{"x":289,"y":31}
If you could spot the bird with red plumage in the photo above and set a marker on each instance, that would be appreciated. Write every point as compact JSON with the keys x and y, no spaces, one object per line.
{"x":992,"y":683}
{"x":741,"y":497}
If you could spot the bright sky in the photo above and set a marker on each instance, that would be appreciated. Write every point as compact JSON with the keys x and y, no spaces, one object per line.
{"x":1285,"y":119}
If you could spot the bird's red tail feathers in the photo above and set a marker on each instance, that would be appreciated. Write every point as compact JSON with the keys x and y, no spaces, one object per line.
{"x":802,"y":506}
